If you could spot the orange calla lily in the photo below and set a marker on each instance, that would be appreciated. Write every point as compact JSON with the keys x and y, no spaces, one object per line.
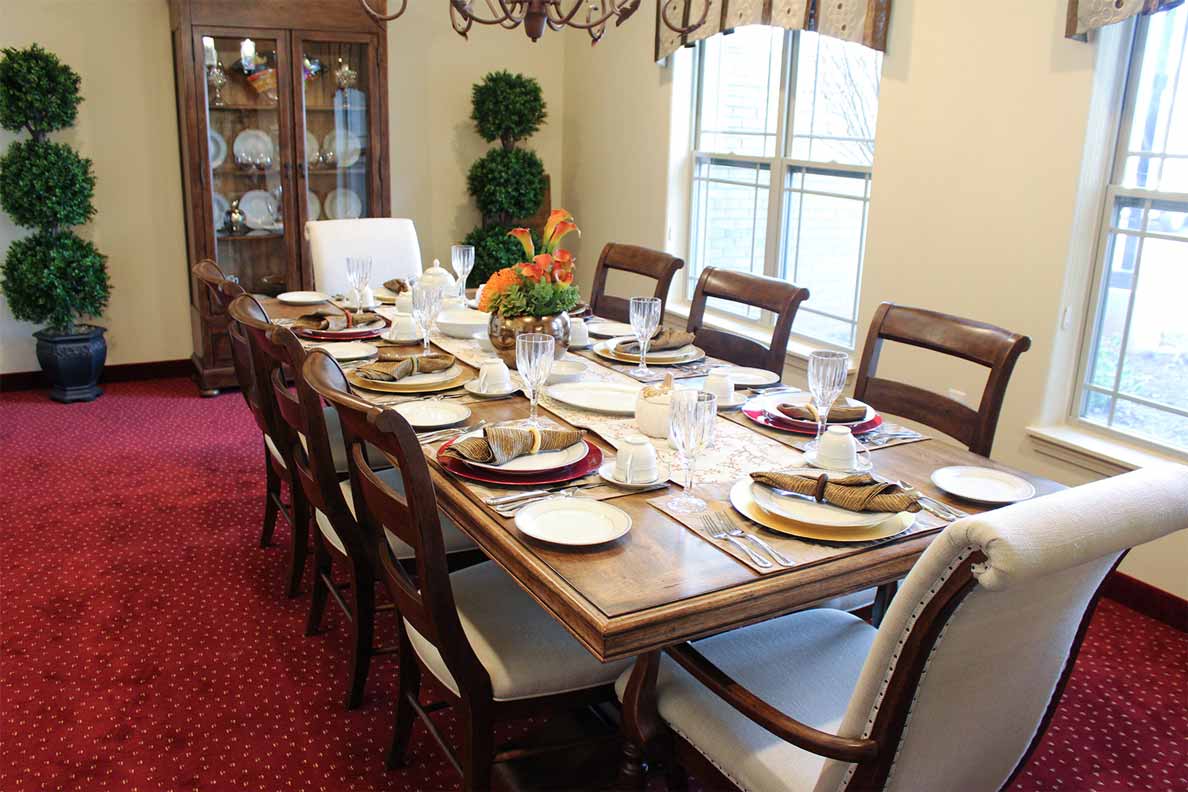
{"x":556,"y":217}
{"x":564,"y":277}
{"x":559,"y":233}
{"x":525,"y":237}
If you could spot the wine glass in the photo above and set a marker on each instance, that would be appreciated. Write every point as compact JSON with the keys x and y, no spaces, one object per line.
{"x":534,"y":361}
{"x":827,"y":378}
{"x":462,"y":260}
{"x":358,"y":276}
{"x":691,"y":421}
{"x":645,"y":318}
{"x":426,"y":304}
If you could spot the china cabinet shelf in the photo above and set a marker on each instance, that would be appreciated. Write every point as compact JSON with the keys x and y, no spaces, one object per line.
{"x":243,"y":108}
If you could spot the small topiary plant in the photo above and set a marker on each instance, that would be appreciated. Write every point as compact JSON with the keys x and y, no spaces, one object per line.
{"x":507,"y":183}
{"x":54,"y":276}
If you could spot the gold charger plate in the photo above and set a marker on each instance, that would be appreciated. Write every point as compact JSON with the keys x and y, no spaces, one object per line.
{"x":395,"y":387}
{"x":604,"y":350}
{"x":742,"y":500}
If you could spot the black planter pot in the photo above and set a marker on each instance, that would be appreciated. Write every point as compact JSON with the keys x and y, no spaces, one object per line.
{"x":72,"y":362}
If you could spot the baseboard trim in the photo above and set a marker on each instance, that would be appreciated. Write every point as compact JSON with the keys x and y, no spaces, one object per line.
{"x":124,"y":372}
{"x":1147,"y":599}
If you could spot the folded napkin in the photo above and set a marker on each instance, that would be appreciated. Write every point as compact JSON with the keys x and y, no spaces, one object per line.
{"x":396,"y":370}
{"x":501,"y":444}
{"x":333,"y":319}
{"x":667,"y":338}
{"x":839,"y":413}
{"x":858,"y":492}
{"x":396,"y":285}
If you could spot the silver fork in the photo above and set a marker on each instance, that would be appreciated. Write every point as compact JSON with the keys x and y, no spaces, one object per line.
{"x":942,"y":510}
{"x":719,"y":533}
{"x":733,"y":530}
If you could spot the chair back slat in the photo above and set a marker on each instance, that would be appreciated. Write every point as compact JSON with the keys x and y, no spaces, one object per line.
{"x":984,"y":344}
{"x":653,"y":264}
{"x":779,"y":297}
{"x":428,"y":602}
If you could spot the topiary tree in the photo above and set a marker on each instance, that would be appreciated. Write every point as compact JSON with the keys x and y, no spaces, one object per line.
{"x":54,"y":276}
{"x":507,"y":183}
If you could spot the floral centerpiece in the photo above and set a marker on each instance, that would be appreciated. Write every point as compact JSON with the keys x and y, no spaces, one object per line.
{"x":534,"y":295}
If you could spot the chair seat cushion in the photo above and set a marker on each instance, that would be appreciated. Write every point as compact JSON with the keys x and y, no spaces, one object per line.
{"x":454,"y":538}
{"x":526,"y":651}
{"x":805,"y":665}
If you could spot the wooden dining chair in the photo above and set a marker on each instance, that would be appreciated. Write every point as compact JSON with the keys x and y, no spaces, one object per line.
{"x":251,"y":317}
{"x":958,"y":685}
{"x":498,"y":655}
{"x":213,"y":278}
{"x":985,"y":344}
{"x":653,"y":264}
{"x":769,"y":294}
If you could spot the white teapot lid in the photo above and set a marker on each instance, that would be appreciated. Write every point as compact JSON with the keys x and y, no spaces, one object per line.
{"x":438,"y":275}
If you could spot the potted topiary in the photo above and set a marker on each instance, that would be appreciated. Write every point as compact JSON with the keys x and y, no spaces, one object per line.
{"x":52,"y":276}
{"x":509,"y":184}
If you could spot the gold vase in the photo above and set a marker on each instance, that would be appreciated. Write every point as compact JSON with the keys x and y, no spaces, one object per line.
{"x":503,"y":331}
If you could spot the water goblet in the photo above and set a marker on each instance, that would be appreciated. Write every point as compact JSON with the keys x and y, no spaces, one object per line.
{"x":358,"y":276}
{"x":645,"y":318}
{"x":691,"y":418}
{"x":534,"y":362}
{"x":462,"y":260}
{"x":827,"y":371}
{"x":426,"y":304}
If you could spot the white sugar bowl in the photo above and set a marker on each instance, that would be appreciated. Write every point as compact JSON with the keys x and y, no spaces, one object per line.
{"x":651,"y":412}
{"x":439,"y":277}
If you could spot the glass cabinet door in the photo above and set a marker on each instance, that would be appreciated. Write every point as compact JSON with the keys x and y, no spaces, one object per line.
{"x":246,"y":108}
{"x":335,"y":131}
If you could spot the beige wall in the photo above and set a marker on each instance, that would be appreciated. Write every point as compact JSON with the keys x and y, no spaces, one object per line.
{"x":980,"y":147}
{"x":128,"y":126}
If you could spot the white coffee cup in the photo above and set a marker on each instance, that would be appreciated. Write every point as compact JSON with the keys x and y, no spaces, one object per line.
{"x":719,"y":382}
{"x":579,"y":335}
{"x":494,"y":376}
{"x":635,"y":462}
{"x":838,"y":449}
{"x":484,"y":341}
{"x":403,"y":328}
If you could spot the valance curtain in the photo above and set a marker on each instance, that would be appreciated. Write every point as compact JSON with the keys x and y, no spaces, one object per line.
{"x":1086,"y":15}
{"x":863,"y":21}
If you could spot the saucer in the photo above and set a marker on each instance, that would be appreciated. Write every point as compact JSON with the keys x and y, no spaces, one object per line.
{"x":864,"y":463}
{"x":472,"y":387}
{"x":607,"y":473}
{"x":737,"y":400}
{"x":416,"y":339}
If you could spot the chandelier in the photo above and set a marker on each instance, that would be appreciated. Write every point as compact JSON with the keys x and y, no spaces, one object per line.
{"x":534,"y":15}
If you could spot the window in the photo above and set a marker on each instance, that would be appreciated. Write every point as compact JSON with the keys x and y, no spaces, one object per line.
{"x":1134,"y":376}
{"x":783,"y":146}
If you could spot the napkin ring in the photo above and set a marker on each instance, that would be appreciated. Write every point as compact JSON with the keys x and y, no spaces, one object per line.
{"x":819,"y":493}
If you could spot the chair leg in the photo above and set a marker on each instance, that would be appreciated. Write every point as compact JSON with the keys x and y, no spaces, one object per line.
{"x":362,"y":630}
{"x":883,"y":596}
{"x":272,"y":490}
{"x":322,"y":568}
{"x":299,"y":547}
{"x":409,"y":691}
{"x":478,"y":751}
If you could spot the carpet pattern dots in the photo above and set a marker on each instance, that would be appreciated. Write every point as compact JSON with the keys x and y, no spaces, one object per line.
{"x":146,"y":642}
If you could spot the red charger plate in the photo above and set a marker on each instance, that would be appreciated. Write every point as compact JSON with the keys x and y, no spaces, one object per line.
{"x":589,"y":464}
{"x":344,"y":335}
{"x":765,"y":418}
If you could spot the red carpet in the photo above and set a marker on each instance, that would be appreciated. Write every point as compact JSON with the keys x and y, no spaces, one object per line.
{"x":147,"y":643}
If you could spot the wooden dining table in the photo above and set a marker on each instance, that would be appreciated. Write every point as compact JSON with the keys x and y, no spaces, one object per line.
{"x":663,"y":584}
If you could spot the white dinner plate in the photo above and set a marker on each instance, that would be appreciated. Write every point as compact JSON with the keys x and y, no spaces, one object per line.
{"x":303,"y":297}
{"x":539,"y":462}
{"x":346,"y":147}
{"x":313,"y":207}
{"x":220,"y":206}
{"x":607,"y":473}
{"x":462,"y":322}
{"x":573,"y":521}
{"x":311,"y":146}
{"x":251,"y":143}
{"x":746,"y":377}
{"x":566,"y":371}
{"x":259,"y":209}
{"x":770,"y":403}
{"x":432,"y":413}
{"x":680,"y":353}
{"x":743,"y":502}
{"x":610,"y":398}
{"x":218,"y":148}
{"x":604,"y":328}
{"x":983,"y":484}
{"x":349,"y":350}
{"x":473,"y":388}
{"x":432,"y":377}
{"x":803,"y":509}
{"x":342,"y":204}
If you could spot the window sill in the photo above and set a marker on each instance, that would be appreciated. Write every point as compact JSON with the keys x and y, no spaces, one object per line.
{"x":799,"y":348}
{"x":1093,"y":451}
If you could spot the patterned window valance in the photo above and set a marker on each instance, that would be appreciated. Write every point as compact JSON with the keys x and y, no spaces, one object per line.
{"x":864,"y":21}
{"x":1086,"y":15}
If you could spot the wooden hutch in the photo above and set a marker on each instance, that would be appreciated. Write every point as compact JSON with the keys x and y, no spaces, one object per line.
{"x":282,"y":110}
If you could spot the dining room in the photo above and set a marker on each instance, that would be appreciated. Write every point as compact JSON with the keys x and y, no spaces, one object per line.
{"x":544,"y":395}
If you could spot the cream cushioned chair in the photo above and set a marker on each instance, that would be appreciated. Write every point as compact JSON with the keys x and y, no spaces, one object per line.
{"x":982,"y":633}
{"x":391,"y":242}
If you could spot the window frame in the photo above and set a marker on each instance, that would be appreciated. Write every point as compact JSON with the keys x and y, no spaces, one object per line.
{"x":1114,"y":189}
{"x":777,"y":262}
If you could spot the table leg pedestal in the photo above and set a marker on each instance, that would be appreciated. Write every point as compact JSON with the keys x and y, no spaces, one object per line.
{"x":641,"y":721}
